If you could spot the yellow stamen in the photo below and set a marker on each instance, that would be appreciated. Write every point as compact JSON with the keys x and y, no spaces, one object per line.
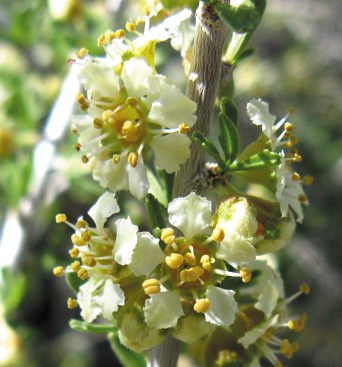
{"x":190,"y":258}
{"x":218,"y":234}
{"x":168,"y":236}
{"x":278,"y":364}
{"x":305,"y":288}
{"x":299,"y":324}
{"x":246,"y":275}
{"x":77,"y":147}
{"x":82,"y":53}
{"x":295,"y":177}
{"x":60,"y":218}
{"x":97,"y":123}
{"x":183,"y":128}
{"x":202,"y":305}
{"x":302,"y":198}
{"x":132,"y":101}
{"x":151,"y":286}
{"x":205,"y":258}
{"x":58,"y":271}
{"x":72,"y":303}
{"x":174,"y":261}
{"x":77,"y":240}
{"x":139,"y":21}
{"x":83,"y":274}
{"x":89,"y":260}
{"x":85,"y":159}
{"x":75,"y":266}
{"x":86,"y":235}
{"x":197,"y":270}
{"x":133,"y":159}
{"x":288,"y":127}
{"x":307,"y":180}
{"x":297,"y":158}
{"x":120,"y":33}
{"x":74,"y":253}
{"x":207,"y":266}
{"x":81,"y":223}
{"x":288,"y":349}
{"x":110,"y":35}
{"x":82,"y":101}
{"x":116,"y":158}
{"x":130,"y":26}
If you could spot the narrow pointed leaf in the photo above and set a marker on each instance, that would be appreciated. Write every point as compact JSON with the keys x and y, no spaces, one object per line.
{"x":257,"y":161}
{"x":85,"y":327}
{"x":208,"y":147}
{"x":154,"y":211}
{"x":228,"y":138}
{"x":228,"y":107}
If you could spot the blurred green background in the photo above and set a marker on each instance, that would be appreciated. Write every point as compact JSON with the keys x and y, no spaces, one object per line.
{"x":298,"y":62}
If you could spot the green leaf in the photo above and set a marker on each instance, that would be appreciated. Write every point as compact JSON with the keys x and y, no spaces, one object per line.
{"x":228,"y":107}
{"x":228,"y":138}
{"x":154,"y":212}
{"x":73,"y":280}
{"x":241,"y":19}
{"x":208,"y":147}
{"x":85,"y":327}
{"x":243,"y":55}
{"x":260,"y":160}
{"x":127,"y":357}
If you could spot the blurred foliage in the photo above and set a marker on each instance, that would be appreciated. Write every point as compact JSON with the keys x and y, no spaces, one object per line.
{"x":298,"y":62}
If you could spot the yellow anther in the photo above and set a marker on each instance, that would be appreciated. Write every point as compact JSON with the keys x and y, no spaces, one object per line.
{"x":293,"y":140}
{"x":74,"y":253}
{"x":86,"y":235}
{"x":81,"y":223}
{"x":202,"y":305}
{"x":288,"y":127}
{"x":297,"y":158}
{"x":82,"y":101}
{"x":305,"y":288}
{"x":77,"y":240}
{"x":116,"y":158}
{"x":58,"y":271}
{"x":85,"y":159}
{"x":218,"y":234}
{"x":72,"y":303}
{"x":77,"y":147}
{"x":75,"y":266}
{"x":129,"y":129}
{"x":110,"y":35}
{"x":106,"y":115}
{"x":197,"y":270}
{"x":130,"y":26}
{"x":82,"y":53}
{"x":83,"y":274}
{"x":295,"y":347}
{"x":97,"y":123}
{"x":246,"y":275}
{"x":291,"y":110}
{"x":133,"y":159}
{"x":174,"y":261}
{"x":60,"y":218}
{"x":146,"y":10}
{"x":205,"y":259}
{"x":207,"y":266}
{"x":302,"y":198}
{"x":299,"y":324}
{"x":188,"y":275}
{"x":151,"y":286}
{"x":101,"y":40}
{"x":307,"y":180}
{"x":89,"y":260}
{"x":139,"y":21}
{"x":278,"y":364}
{"x":295,"y":177}
{"x":286,"y":349}
{"x":190,"y":258}
{"x":120,"y":33}
{"x":183,"y":128}
{"x":168,"y":236}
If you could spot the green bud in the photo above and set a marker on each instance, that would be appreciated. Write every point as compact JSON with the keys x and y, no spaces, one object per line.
{"x":135,"y":334}
{"x":191,"y":328}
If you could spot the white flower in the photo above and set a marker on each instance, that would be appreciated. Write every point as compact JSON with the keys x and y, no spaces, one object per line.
{"x":125,"y":241}
{"x":258,"y":112}
{"x":90,"y":308}
{"x":290,"y":193}
{"x":110,"y":298}
{"x":135,"y":112}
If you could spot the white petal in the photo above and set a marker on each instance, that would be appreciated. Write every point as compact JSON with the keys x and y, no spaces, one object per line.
{"x":236,"y":249}
{"x":137,"y":178}
{"x":190,"y":214}
{"x":138,"y":78}
{"x":111,"y":298}
{"x":125,"y":242}
{"x":163,"y":310}
{"x":105,"y":206}
{"x":258,"y":112}
{"x":111,"y":175}
{"x":171,"y":151}
{"x":253,"y":335}
{"x":268,"y":299}
{"x":172,"y":108}
{"x":223,"y":306}
{"x":100,"y":79}
{"x":147,"y":255}
{"x":86,"y":300}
